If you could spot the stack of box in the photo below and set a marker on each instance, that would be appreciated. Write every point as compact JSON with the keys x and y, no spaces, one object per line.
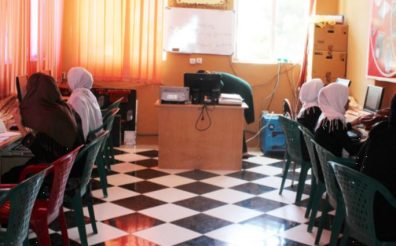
{"x":328,"y":52}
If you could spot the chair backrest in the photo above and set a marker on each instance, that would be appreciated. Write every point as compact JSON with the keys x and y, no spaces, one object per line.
{"x":292,"y":137}
{"x":21,"y":200}
{"x":21,"y":84}
{"x":61,"y":170}
{"x":88,"y":154}
{"x":358,"y":191}
{"x":308,"y":136}
{"x":330,"y":181}
{"x":108,"y":118}
{"x":115,"y":104}
{"x":287,"y":109}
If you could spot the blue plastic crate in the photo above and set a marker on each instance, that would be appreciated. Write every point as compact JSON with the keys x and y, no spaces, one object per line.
{"x":272,"y":136}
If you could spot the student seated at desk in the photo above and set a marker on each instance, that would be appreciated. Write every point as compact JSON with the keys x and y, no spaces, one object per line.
{"x":377,"y":159}
{"x":310,"y":111}
{"x":331,"y":129}
{"x":49,"y":127}
{"x":82,"y":100}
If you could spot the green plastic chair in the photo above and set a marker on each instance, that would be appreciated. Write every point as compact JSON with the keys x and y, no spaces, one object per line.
{"x":20,"y":199}
{"x":77,"y":188}
{"x":358,"y":191}
{"x":317,"y":185}
{"x":333,"y":193}
{"x":115,"y":104}
{"x":293,"y":154}
{"x":103,"y":160}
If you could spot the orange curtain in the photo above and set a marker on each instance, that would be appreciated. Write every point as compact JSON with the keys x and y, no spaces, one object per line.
{"x":14,"y":43}
{"x":15,"y":40}
{"x":49,"y":37}
{"x":116,"y":40}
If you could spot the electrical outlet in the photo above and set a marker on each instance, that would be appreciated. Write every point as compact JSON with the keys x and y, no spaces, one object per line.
{"x":199,"y":60}
{"x":193,"y":61}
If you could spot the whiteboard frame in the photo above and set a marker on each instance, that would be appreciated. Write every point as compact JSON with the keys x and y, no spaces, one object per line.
{"x":221,"y":23}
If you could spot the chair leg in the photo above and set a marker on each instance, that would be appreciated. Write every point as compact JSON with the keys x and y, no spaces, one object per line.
{"x":79,"y":216}
{"x":41,"y":230}
{"x":91,"y":210}
{"x":320,"y":189}
{"x":284,"y":176}
{"x":102,"y":175}
{"x":345,"y":236}
{"x":311,"y":195}
{"x":301,"y":182}
{"x":62,"y":222}
{"x":337,"y":224}
{"x":323,"y":218}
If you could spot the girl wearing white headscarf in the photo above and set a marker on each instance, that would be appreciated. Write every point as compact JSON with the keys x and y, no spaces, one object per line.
{"x":331,"y":129}
{"x":310,"y":111}
{"x":83,"y":100}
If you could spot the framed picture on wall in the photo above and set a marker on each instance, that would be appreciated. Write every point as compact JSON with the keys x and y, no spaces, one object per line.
{"x":381,"y":64}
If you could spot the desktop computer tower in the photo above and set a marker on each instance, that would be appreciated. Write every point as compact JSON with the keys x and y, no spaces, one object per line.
{"x":125,"y":120}
{"x":272,"y":136}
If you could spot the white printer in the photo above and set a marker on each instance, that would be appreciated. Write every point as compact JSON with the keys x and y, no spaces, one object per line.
{"x":174,"y":94}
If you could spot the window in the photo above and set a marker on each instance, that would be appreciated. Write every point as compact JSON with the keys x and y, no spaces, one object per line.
{"x":33,"y":29}
{"x":271,"y":30}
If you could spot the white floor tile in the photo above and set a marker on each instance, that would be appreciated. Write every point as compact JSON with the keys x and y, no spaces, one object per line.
{"x":171,"y":180}
{"x":262,"y":160}
{"x":130,"y":157}
{"x":287,"y":196}
{"x":126,"y":167}
{"x":228,"y":196}
{"x":170,"y":195}
{"x":273,"y":181}
{"x":167,"y":234}
{"x":104,"y":211}
{"x":237,"y":234}
{"x":290,"y":212}
{"x":114,"y":193}
{"x":168,"y":212}
{"x":233,"y":213}
{"x":121,"y":179}
{"x":105,"y":232}
{"x":223,"y":181}
{"x":267,"y":170}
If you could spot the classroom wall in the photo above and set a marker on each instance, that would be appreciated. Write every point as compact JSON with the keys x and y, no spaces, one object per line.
{"x":267,"y":89}
{"x":356,"y":14}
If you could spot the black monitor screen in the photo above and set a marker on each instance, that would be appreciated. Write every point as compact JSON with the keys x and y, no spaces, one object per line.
{"x":204,"y":87}
{"x":373,"y":99}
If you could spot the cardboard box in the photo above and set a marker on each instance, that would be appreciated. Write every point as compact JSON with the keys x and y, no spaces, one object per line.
{"x":330,"y":37}
{"x":328,"y":65}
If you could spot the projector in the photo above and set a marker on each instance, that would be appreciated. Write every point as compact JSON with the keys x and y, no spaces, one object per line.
{"x":174,"y":94}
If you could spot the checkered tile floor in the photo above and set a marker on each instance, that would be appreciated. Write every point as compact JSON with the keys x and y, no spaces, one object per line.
{"x":151,"y":206}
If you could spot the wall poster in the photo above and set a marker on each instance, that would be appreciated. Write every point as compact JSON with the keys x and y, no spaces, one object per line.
{"x":381,"y":63}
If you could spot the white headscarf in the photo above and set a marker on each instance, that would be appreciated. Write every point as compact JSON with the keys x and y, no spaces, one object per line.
{"x":309,"y":94}
{"x":332,"y":100}
{"x":83,"y":100}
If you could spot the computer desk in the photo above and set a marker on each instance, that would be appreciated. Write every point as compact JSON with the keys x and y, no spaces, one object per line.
{"x":184,"y":143}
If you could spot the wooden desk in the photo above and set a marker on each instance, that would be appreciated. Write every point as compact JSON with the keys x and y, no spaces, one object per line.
{"x":182,"y":145}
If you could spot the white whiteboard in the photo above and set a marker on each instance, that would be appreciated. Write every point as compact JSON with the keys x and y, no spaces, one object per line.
{"x":204,"y":31}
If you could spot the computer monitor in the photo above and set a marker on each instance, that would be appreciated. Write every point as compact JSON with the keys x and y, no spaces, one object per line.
{"x":204,"y":87}
{"x":373,"y":99}
{"x":21,"y":84}
{"x":346,"y":82}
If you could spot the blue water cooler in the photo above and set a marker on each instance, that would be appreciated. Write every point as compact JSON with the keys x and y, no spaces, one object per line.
{"x":272,"y":136}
